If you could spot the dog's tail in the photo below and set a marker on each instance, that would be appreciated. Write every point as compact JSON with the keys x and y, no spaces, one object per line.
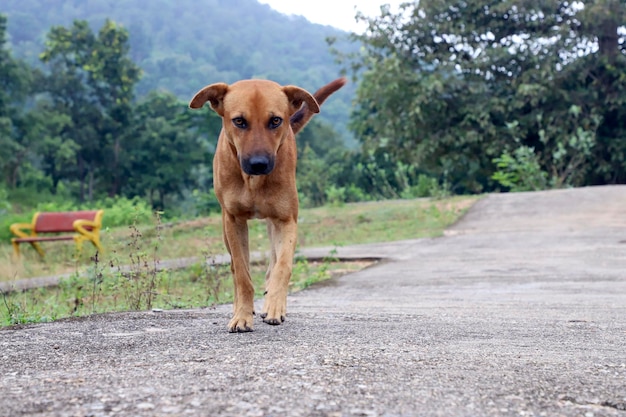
{"x":302,"y":116}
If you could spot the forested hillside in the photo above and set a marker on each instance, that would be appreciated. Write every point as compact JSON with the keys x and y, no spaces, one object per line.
{"x":182,"y":45}
{"x":451,"y":97}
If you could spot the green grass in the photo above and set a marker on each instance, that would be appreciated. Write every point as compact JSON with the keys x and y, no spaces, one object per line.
{"x":104,"y":285}
{"x":190,"y":287}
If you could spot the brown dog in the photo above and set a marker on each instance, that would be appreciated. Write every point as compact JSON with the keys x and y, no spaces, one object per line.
{"x":254,"y":175}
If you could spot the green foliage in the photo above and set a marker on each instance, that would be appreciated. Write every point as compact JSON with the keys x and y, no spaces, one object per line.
{"x":425,"y":187}
{"x":85,"y":139}
{"x":91,"y":82}
{"x":320,"y":158}
{"x":520,"y":171}
{"x":162,"y":145}
{"x":183,"y":45}
{"x":328,"y":173}
{"x":17,"y":312}
{"x":456,"y":97}
{"x":452,"y":87}
{"x":203,"y":202}
{"x":336,"y":196}
{"x":5,"y":206}
{"x":139,"y":280}
{"x":306,"y":273}
{"x":313,"y":177}
{"x":121,"y":211}
{"x":375,"y":175}
{"x":15,"y":84}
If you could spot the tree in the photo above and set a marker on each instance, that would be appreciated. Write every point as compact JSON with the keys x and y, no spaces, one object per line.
{"x":163,"y":149}
{"x":198,"y":49}
{"x":320,"y":156}
{"x":449,"y":86}
{"x":53,"y":151}
{"x":15,"y":79}
{"x":91,"y":80}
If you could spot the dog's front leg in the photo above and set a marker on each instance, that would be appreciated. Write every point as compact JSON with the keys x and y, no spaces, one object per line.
{"x":236,"y":237}
{"x":283,"y":236}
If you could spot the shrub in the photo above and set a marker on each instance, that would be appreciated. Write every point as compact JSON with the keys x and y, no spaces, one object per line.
{"x":520,"y":171}
{"x":336,"y":196}
{"x":426,"y":187}
{"x":122,"y":211}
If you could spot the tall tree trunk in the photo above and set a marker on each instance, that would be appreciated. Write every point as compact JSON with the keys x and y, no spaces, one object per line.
{"x":608,"y":44}
{"x":605,"y":17}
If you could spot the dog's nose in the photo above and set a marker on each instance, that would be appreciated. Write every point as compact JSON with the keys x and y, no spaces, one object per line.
{"x":258,"y":165}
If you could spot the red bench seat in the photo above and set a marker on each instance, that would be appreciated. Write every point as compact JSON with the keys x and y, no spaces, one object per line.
{"x":84,"y":225}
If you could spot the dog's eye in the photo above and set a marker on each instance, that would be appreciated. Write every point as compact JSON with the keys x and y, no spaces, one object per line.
{"x":275,"y":122}
{"x":240,"y":122}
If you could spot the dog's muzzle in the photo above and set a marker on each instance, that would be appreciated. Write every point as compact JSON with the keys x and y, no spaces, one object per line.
{"x":258,"y":164}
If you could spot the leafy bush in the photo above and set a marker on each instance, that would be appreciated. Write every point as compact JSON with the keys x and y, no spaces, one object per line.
{"x":203,"y":203}
{"x":118,"y":211}
{"x":426,"y":187}
{"x":520,"y":171}
{"x":355,"y":194}
{"x":6,"y":220}
{"x":5,"y":206}
{"x":336,"y":196}
{"x":122,"y":211}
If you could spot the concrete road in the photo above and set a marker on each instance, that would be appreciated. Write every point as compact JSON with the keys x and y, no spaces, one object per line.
{"x":520,"y":310}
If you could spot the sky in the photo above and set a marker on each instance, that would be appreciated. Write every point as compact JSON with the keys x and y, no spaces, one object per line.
{"x":337,"y":13}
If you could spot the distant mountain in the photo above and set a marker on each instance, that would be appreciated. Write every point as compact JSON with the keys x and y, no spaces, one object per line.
{"x":182,"y":45}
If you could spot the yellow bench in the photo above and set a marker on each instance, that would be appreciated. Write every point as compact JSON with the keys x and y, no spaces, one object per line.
{"x":86,"y":226}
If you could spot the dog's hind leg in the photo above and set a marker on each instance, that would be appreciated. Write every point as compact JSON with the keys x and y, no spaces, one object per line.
{"x":283,"y":235}
{"x":236,"y":239}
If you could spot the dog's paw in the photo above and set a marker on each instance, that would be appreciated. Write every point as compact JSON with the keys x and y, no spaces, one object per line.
{"x":272,"y":320}
{"x":274,"y":310}
{"x":241,"y":323}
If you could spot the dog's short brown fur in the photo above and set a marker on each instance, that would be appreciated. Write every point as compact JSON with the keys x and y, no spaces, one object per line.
{"x":254,"y":174}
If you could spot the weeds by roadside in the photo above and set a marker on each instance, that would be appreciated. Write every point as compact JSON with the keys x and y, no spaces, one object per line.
{"x":141,"y":283}
{"x":15,"y":314}
{"x":132,"y":275}
{"x":139,"y":280}
{"x":306,"y":273}
{"x":203,"y":284}
{"x":18,"y":311}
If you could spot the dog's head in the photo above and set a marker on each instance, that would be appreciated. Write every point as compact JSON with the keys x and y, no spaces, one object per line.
{"x":255,"y":116}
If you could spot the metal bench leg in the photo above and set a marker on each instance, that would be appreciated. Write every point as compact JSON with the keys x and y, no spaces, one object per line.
{"x":96,"y":242}
{"x":35,"y":245}
{"x":38,"y":249}
{"x":92,"y":237}
{"x":16,"y":249}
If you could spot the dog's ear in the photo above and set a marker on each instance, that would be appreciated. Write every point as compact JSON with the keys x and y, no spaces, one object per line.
{"x":214,"y":94}
{"x":297,"y":96}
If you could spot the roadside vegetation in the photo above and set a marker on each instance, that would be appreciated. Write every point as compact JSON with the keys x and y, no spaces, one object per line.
{"x":130,"y":274}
